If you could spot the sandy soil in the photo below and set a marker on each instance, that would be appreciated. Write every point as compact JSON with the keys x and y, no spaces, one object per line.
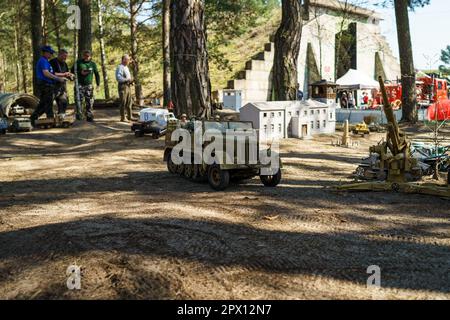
{"x":98,"y":197}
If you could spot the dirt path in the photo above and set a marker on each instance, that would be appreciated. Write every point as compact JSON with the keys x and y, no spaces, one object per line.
{"x":97,"y":197}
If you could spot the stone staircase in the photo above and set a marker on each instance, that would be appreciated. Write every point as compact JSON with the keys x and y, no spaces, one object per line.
{"x":255,"y":80}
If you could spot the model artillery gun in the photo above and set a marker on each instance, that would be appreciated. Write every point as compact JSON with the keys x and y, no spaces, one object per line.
{"x":395,"y":163}
{"x":220,"y":172}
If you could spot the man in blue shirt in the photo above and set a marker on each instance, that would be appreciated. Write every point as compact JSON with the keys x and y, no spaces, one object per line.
{"x":46,"y":80}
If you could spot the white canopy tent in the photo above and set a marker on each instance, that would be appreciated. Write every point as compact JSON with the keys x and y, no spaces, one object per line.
{"x":357,"y":80}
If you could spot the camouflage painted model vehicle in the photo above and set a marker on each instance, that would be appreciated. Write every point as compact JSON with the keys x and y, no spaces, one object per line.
{"x":219,"y":174}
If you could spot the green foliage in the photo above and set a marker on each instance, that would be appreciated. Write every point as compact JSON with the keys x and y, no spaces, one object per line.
{"x":236,"y":30}
{"x":445,"y":55}
{"x":413,"y":4}
{"x":230,"y":19}
{"x":445,"y":58}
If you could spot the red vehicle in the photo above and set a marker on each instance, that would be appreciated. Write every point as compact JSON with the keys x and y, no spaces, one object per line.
{"x":424,"y":87}
{"x":442,"y":113}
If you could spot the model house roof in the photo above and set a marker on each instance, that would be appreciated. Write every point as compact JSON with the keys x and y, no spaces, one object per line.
{"x":283,"y":105}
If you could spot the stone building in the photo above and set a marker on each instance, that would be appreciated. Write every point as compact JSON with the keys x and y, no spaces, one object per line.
{"x":336,"y":37}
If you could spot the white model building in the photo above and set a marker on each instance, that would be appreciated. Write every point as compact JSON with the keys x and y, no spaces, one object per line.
{"x":290,"y":119}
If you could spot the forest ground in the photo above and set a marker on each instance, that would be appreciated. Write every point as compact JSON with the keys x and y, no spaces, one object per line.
{"x":96,"y":196}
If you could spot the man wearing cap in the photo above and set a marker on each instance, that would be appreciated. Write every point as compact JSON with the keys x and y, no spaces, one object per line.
{"x":86,"y":70}
{"x":61,"y":69}
{"x":46,"y":80}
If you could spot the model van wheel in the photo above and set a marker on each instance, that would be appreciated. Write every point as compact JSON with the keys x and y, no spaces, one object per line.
{"x":218,"y":179}
{"x":271,"y":181}
{"x":172,"y":167}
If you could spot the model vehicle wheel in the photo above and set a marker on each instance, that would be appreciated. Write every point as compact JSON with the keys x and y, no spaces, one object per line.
{"x":180,"y":169}
{"x":138,"y":134}
{"x":3,"y":131}
{"x":218,"y":179}
{"x":271,"y":181}
{"x":189,"y":171}
{"x":395,"y":187}
{"x":172,"y":167}
{"x":200,"y":174}
{"x":360,"y":172}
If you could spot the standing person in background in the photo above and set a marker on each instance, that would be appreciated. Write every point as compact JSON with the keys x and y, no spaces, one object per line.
{"x":300,"y":93}
{"x":344,"y":101}
{"x":46,"y":83}
{"x":86,"y":70}
{"x":366,"y":98}
{"x":61,"y":69}
{"x":351,"y":101}
{"x":124,"y":81}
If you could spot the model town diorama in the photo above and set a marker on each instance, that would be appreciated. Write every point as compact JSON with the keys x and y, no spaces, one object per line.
{"x":344,"y":119}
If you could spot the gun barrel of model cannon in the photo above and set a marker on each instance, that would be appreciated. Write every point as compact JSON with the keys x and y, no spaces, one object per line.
{"x":393,"y":128}
{"x":388,"y":110}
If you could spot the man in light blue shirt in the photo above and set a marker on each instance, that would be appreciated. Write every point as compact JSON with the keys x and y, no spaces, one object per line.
{"x":124,"y":80}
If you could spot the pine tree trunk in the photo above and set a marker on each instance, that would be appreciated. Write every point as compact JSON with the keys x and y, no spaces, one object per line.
{"x":44,"y":22}
{"x":134,"y":52}
{"x":21,"y":44}
{"x":166,"y":52}
{"x":16,"y":55}
{"x":3,"y":73}
{"x":85,"y":33}
{"x":287,"y":49}
{"x":409,"y":98}
{"x":36,"y":37}
{"x":102,"y":49}
{"x":56,"y":25}
{"x":191,"y":85}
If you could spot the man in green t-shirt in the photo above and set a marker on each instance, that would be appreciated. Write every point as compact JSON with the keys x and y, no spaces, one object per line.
{"x":86,"y":70}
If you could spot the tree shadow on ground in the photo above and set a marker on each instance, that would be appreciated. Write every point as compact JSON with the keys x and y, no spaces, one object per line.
{"x":341,"y":256}
{"x":320,"y":156}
